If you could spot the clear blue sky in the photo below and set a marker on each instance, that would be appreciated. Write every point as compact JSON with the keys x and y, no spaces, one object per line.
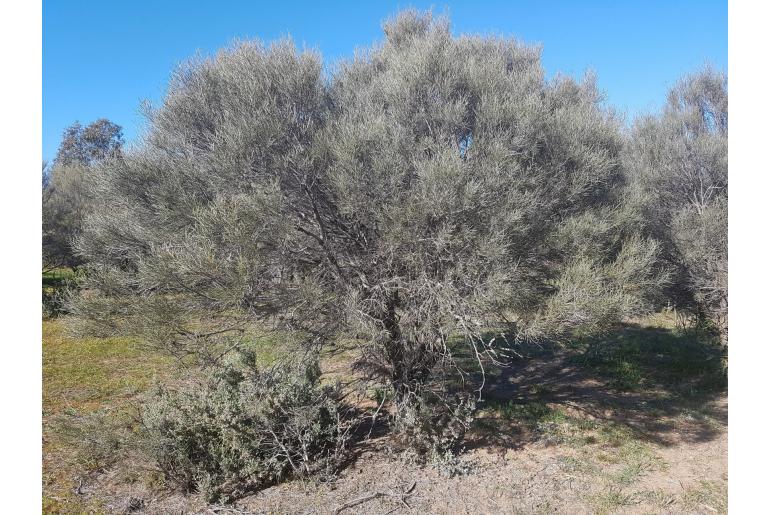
{"x":102,"y":58}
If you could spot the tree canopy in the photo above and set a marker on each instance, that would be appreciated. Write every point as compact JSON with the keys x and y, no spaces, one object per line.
{"x":430,"y":190}
{"x":64,"y":202}
{"x":677,"y":167}
{"x":86,"y":145}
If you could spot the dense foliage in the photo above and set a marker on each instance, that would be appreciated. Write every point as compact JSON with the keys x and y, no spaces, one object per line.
{"x":63,"y":210}
{"x":677,"y":165}
{"x":433,"y":186}
{"x":434,"y":201}
{"x":242,"y":428}
{"x":64,"y":195}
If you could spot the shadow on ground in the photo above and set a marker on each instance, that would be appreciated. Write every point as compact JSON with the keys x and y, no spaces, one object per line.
{"x":667,"y":386}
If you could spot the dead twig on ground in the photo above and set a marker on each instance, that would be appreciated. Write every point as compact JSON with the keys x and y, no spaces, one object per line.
{"x":218,"y":510}
{"x":400,"y":496}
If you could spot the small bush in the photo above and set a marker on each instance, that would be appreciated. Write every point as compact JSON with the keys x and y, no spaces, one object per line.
{"x":98,"y":439}
{"x":54,"y":293}
{"x":434,"y":425}
{"x":242,"y":429}
{"x":52,"y":302}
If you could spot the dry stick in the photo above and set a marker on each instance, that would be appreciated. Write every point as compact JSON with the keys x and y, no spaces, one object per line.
{"x":285,"y":450}
{"x":375,"y":495}
{"x":360,"y":500}
{"x":374,"y":417}
{"x":228,"y":509}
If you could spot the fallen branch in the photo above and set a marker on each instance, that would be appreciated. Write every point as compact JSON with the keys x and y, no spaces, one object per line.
{"x":360,"y":500}
{"x":219,"y":510}
{"x":401,"y":497}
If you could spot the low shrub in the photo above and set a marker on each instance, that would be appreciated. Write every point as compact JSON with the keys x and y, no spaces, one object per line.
{"x":54,"y":293}
{"x":98,"y":439}
{"x":433,"y":425}
{"x":241,"y":428}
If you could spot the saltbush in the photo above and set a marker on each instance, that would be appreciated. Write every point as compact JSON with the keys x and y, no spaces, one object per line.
{"x":242,"y":428}
{"x":433,"y":425}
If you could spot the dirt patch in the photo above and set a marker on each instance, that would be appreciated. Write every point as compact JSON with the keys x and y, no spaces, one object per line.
{"x":561,"y":431}
{"x":538,"y":478}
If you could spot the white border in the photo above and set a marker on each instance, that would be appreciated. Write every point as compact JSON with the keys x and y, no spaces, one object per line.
{"x":748,"y":260}
{"x":20,"y":212}
{"x":20,"y":133}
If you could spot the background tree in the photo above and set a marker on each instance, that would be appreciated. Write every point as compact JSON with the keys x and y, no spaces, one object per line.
{"x":64,"y":199}
{"x":63,"y":210}
{"x":86,"y":145}
{"x":46,"y":174}
{"x":434,"y":187}
{"x":677,"y":165}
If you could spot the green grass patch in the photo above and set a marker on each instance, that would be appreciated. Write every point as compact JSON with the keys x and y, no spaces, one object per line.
{"x":641,"y":357}
{"x":84,"y":381}
{"x":529,"y":414}
{"x":611,"y":500}
{"x":268,"y":348}
{"x":604,"y":448}
{"x":551,"y":424}
{"x":58,"y":274}
{"x":81,"y":373}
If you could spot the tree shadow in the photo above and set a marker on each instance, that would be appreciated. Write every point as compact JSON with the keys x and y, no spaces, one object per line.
{"x":667,"y":386}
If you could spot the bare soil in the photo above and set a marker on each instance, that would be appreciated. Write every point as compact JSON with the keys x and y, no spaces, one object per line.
{"x":673,"y":459}
{"x":660,"y":447}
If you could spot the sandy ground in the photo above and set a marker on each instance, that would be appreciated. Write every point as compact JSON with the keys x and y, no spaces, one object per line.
{"x":535,"y":479}
{"x":682,"y":467}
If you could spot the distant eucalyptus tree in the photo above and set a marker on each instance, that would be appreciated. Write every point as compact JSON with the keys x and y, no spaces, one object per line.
{"x":87,"y":145}
{"x":64,"y":200}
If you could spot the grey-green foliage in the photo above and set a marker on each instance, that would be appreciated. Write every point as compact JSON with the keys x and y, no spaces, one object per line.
{"x":64,"y":196}
{"x":428,"y":187}
{"x":242,"y":428}
{"x":434,"y":425}
{"x":63,"y":210}
{"x":87,"y":145}
{"x":677,"y":165}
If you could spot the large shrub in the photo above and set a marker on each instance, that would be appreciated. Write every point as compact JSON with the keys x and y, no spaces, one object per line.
{"x":64,"y":195}
{"x":64,"y":207}
{"x":430,"y":187}
{"x":677,"y":166}
{"x":243,"y":428}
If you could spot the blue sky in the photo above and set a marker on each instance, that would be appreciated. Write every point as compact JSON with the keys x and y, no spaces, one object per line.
{"x":102,"y":58}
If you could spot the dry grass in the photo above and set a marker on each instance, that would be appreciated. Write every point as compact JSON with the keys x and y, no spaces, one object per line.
{"x":92,"y":384}
{"x":625,"y":425}
{"x":81,"y":377}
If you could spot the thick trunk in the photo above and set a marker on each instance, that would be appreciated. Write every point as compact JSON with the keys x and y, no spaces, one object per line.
{"x":410,"y":362}
{"x":395,"y":347}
